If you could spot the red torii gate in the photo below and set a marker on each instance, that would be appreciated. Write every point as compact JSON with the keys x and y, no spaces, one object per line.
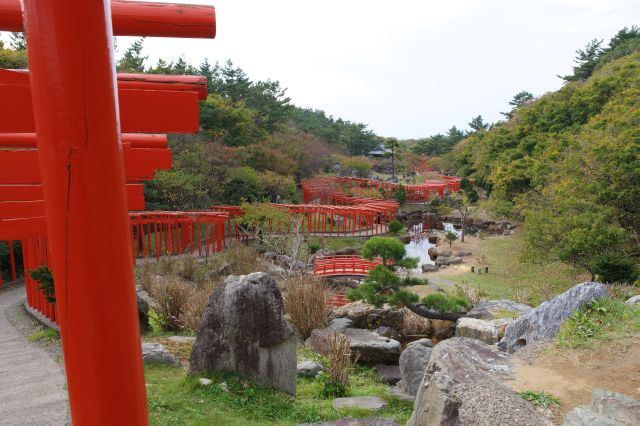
{"x":78,"y":125}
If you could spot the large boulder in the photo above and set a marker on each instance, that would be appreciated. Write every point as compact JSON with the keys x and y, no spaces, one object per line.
{"x":143,"y":313}
{"x":364,"y":315}
{"x":373,"y":348}
{"x":606,"y":409}
{"x":243,"y":329}
{"x":413,"y":361}
{"x":543,"y":322}
{"x":496,"y":309}
{"x":635,"y":300}
{"x":489,"y":332}
{"x":462,"y":386}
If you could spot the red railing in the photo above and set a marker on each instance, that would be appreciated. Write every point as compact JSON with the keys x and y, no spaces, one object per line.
{"x":332,"y":188}
{"x":343,"y":265}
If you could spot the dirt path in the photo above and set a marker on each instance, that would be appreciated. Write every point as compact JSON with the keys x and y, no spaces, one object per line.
{"x":571,"y":374}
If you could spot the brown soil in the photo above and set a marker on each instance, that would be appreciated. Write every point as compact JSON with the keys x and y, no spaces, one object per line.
{"x":572,"y":374}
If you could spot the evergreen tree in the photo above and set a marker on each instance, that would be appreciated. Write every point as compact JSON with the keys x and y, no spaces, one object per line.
{"x":18,"y":41}
{"x":587,"y":59}
{"x":477,"y":124}
{"x":133,"y":60}
{"x":518,"y":100}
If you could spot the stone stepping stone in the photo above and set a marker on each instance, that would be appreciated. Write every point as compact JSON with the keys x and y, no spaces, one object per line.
{"x":361,"y":402}
{"x":357,"y":422}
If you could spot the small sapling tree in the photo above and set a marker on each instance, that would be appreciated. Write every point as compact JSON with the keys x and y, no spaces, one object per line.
{"x":395,"y":226}
{"x":450,"y":237}
{"x":461,"y":203}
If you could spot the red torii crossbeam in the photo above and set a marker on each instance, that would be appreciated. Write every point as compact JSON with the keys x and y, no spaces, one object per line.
{"x":132,"y":18}
{"x":74,"y":112}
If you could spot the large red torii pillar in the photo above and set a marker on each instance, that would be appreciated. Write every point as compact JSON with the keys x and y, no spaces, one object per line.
{"x":81,"y":160}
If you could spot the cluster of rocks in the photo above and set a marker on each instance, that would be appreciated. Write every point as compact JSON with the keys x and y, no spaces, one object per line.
{"x":606,"y":408}
{"x":435,"y":221}
{"x":461,"y":380}
{"x":286,"y":262}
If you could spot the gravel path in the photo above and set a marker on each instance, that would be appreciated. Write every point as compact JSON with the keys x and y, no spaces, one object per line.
{"x":32,"y":384}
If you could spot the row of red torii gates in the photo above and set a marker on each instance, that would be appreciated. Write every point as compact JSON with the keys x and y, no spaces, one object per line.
{"x":333,"y":189}
{"x":76,"y":141}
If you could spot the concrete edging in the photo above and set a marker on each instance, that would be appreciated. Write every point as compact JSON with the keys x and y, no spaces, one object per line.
{"x":40,"y":318}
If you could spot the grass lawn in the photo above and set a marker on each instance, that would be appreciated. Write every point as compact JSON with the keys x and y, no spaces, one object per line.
{"x":175,"y":398}
{"x":508,"y":276}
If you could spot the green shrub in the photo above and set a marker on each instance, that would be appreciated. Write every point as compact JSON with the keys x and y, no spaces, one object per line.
{"x":540,"y":399}
{"x":314,"y":246}
{"x":395,"y":226}
{"x":613,"y":268}
{"x":399,"y":194}
{"x":442,"y":303}
{"x":44,"y":277}
{"x":414,"y":281}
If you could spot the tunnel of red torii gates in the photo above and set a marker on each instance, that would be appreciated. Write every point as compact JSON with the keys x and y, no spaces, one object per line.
{"x":66,"y":185}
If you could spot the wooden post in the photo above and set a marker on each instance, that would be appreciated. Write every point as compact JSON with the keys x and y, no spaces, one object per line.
{"x":76,"y":117}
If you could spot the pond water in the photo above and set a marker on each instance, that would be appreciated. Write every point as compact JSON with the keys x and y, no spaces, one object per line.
{"x":420,"y":245}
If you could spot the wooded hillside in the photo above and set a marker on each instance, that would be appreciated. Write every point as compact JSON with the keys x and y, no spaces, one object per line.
{"x":569,"y":162}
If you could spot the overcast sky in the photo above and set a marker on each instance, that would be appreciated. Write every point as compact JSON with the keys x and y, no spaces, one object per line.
{"x":407,"y":68}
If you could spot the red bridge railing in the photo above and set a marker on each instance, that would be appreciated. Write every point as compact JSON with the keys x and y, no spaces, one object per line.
{"x":343,"y":265}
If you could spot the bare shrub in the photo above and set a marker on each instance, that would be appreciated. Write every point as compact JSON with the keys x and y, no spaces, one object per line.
{"x":341,"y":364}
{"x":545,"y":292}
{"x":241,"y":259}
{"x":305,"y":301}
{"x":146,"y":272}
{"x":187,"y":267}
{"x":194,"y":308}
{"x":171,"y":295}
{"x":165,"y":266}
{"x":521,"y":295}
{"x":621,"y":292}
{"x":474,"y":295}
{"x":414,"y":325}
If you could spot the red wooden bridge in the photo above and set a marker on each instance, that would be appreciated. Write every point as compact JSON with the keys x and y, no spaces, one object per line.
{"x":343,"y":266}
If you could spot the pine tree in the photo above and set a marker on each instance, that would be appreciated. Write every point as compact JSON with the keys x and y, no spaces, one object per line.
{"x":518,"y":100}
{"x":132,"y":60}
{"x":18,"y":41}
{"x":477,"y":124}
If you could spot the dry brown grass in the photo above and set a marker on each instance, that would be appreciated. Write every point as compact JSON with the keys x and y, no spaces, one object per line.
{"x":413,"y":325}
{"x":146,"y":272}
{"x":622,"y":292}
{"x":305,"y":301}
{"x":473,"y":295}
{"x":341,"y":362}
{"x":187,"y":267}
{"x":171,"y":295}
{"x":181,"y":287}
{"x":165,"y":266}
{"x":194,"y":308}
